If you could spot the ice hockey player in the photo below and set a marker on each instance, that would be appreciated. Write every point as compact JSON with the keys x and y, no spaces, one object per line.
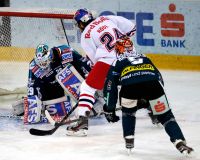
{"x":43,"y":87}
{"x":139,"y":79}
{"x":97,"y":40}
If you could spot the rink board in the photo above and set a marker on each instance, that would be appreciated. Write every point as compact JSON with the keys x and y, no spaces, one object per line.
{"x":162,"y":61}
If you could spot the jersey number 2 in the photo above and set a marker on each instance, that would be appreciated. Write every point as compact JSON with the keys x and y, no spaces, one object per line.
{"x":107,"y":39}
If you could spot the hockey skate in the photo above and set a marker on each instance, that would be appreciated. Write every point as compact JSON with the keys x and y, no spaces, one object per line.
{"x":80,"y":128}
{"x":182,"y":147}
{"x":129,"y":142}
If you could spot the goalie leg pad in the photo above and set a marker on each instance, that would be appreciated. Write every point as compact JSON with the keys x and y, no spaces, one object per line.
{"x":32,"y":110}
{"x":58,"y":108}
{"x":70,"y":80}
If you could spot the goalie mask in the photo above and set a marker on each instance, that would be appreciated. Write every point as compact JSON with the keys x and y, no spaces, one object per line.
{"x":43,"y":56}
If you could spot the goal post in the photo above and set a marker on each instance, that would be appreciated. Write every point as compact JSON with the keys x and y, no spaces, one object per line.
{"x":21,"y":30}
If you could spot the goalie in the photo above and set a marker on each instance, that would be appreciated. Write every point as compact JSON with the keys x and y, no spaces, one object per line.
{"x":44,"y":89}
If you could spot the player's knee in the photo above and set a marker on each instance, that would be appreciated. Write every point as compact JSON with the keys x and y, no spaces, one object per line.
{"x":128,"y":111}
{"x":128,"y":103}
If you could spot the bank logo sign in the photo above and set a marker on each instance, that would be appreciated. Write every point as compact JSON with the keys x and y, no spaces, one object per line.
{"x":170,"y":25}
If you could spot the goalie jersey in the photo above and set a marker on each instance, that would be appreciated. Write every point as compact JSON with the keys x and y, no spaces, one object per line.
{"x":42,"y":82}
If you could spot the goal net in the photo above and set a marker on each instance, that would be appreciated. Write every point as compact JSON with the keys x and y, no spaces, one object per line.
{"x":20,"y":32}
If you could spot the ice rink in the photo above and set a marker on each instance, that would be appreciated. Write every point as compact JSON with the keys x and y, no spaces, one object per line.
{"x":104,"y":140}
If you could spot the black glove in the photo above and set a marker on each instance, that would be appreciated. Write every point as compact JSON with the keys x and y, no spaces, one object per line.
{"x":110,"y":115}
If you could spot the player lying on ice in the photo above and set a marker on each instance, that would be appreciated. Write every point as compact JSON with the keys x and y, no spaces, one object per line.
{"x":49,"y":72}
{"x":139,"y":79}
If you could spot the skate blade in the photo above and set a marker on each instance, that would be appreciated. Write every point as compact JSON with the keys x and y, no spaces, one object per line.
{"x":80,"y":133}
{"x":129,"y":151}
{"x":186,"y":154}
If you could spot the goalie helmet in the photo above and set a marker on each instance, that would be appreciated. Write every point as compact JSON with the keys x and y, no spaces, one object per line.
{"x":124,"y":46}
{"x":84,"y":16}
{"x":43,"y":56}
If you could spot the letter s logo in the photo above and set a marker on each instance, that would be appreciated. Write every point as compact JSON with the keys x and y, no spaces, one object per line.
{"x":172,"y":24}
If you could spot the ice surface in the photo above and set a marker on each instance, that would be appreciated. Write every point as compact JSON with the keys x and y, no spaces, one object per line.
{"x":104,"y":141}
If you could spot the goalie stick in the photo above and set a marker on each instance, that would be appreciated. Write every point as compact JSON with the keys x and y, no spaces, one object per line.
{"x":38,"y":132}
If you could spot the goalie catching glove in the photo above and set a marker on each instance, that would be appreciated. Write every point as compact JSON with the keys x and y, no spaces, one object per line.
{"x":110,"y":115}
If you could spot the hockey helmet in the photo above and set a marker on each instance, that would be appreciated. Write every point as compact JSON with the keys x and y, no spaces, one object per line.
{"x":43,"y":56}
{"x":83,"y":15}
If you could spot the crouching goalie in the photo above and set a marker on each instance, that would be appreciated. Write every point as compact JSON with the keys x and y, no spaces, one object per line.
{"x":52,"y":72}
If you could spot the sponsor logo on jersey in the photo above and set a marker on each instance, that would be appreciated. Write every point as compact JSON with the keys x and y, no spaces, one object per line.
{"x":38,"y":73}
{"x":65,"y":74}
{"x":67,"y":57}
{"x":34,"y":69}
{"x":48,"y":74}
{"x":137,"y":68}
{"x":94,"y":24}
{"x":159,"y":107}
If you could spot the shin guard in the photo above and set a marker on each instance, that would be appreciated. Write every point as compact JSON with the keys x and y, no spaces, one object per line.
{"x":128,"y":121}
{"x":171,"y":126}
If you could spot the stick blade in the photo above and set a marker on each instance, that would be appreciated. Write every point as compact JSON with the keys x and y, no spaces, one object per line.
{"x":37,"y":132}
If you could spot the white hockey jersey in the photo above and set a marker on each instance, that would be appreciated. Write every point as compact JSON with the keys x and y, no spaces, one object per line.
{"x":99,"y":37}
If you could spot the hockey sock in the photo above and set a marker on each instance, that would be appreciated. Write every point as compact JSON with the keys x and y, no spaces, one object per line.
{"x":128,"y":121}
{"x":171,"y":126}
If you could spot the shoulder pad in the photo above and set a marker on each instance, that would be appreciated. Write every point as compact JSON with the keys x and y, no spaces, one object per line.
{"x":65,"y":48}
{"x":32,"y":64}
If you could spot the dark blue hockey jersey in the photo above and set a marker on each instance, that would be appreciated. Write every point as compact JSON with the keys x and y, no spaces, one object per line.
{"x":127,"y":71}
{"x":43,"y":83}
{"x":134,"y":70}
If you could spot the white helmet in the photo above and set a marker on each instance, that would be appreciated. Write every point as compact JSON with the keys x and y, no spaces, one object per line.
{"x":43,"y":56}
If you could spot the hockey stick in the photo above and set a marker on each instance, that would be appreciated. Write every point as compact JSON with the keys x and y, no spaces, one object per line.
{"x":38,"y":132}
{"x":52,"y":122}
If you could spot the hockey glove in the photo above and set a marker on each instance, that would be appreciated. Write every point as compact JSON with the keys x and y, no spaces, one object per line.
{"x":110,"y":115}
